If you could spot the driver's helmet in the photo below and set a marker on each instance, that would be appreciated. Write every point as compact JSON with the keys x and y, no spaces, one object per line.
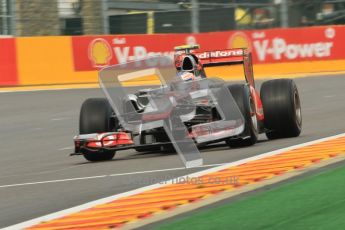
{"x":188,"y":67}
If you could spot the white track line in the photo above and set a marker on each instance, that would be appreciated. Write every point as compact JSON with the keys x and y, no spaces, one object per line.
{"x":18,"y":90}
{"x":79,"y":208}
{"x":60,"y":118}
{"x":103,"y":176}
{"x":47,"y":89}
{"x":66,"y":148}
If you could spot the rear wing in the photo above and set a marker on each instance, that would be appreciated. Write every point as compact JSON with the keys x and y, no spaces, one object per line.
{"x":228,"y":57}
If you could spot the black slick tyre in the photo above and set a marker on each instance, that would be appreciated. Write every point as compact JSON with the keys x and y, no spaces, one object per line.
{"x":245,"y":103}
{"x":282,"y":108}
{"x":94,"y":117}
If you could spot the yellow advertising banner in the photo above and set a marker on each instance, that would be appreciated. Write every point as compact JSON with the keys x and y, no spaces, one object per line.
{"x":48,"y":60}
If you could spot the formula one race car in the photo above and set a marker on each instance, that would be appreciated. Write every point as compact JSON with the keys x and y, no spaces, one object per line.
{"x":187,"y":105}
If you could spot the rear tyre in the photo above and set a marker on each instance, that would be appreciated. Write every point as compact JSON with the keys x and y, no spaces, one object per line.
{"x":95,"y":117}
{"x":282,"y":108}
{"x":245,"y":103}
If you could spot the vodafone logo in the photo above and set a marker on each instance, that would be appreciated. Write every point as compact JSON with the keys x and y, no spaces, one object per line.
{"x":278,"y":48}
{"x":220,"y":54}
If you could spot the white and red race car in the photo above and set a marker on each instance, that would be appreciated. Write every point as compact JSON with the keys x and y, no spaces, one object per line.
{"x":210,"y":109}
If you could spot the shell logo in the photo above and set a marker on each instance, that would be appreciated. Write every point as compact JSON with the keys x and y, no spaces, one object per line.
{"x":191,"y":40}
{"x":100,"y":52}
{"x":330,"y":33}
{"x":239,"y":40}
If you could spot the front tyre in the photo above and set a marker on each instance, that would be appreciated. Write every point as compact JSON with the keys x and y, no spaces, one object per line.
{"x":95,"y":117}
{"x":245,"y":103}
{"x":282,"y":108}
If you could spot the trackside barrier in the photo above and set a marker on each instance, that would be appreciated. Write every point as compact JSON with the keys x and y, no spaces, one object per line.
{"x":69,"y":60}
{"x":8,"y":68}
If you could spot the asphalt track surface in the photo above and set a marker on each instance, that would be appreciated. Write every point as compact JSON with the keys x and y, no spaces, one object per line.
{"x":36,"y":138}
